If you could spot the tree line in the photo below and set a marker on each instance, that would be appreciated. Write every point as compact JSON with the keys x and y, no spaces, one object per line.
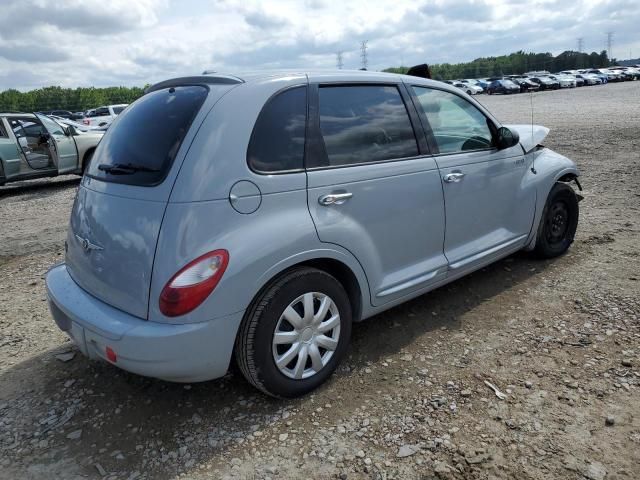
{"x":515,"y":63}
{"x":84,"y":98}
{"x":72,"y":99}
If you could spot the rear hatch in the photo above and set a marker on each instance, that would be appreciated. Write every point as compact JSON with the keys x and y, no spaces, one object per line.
{"x":120,"y":204}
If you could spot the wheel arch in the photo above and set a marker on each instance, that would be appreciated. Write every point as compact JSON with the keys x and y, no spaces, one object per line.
{"x":551,"y":168}
{"x":350,"y":275}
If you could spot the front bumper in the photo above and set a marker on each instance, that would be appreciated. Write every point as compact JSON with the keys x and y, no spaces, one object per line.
{"x":180,"y":353}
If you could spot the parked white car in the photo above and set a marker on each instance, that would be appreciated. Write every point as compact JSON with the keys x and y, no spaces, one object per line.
{"x":465,"y":87}
{"x":103,"y":116}
{"x":565,"y":81}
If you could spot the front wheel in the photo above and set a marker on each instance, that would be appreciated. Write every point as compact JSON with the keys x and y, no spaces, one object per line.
{"x":295,"y":333}
{"x":558,"y":223}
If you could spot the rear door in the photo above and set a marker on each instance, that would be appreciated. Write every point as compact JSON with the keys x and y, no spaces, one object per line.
{"x":489,"y":203}
{"x":372,"y":187}
{"x":64,"y":146}
{"x":10,"y":156}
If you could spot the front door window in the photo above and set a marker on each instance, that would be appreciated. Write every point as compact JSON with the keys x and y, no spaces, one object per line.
{"x":457,"y":125}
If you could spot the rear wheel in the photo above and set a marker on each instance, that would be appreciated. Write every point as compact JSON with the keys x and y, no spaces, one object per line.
{"x":295,"y":333}
{"x":558,"y":223}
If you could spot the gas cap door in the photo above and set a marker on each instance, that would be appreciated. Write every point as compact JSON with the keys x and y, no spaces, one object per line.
{"x":245,"y":197}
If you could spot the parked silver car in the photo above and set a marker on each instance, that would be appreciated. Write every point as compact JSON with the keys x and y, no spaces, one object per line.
{"x":35,"y":146}
{"x":267,"y":212}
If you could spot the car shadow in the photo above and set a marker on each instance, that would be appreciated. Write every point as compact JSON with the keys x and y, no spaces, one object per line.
{"x":122,"y":412}
{"x":43,"y":186}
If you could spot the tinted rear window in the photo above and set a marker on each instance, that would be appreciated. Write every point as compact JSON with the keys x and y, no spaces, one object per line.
{"x":147,"y":136}
{"x":362,"y":124}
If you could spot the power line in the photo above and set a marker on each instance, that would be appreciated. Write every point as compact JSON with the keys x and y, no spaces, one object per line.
{"x":339,"y":62}
{"x":364,"y":54}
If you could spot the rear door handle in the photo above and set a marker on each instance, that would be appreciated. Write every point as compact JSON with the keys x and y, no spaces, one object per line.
{"x":334,"y":198}
{"x":453,"y":177}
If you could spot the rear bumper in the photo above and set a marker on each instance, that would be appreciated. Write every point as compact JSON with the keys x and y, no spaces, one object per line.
{"x":180,"y":353}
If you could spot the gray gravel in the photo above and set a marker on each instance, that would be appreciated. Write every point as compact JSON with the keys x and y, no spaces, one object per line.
{"x":559,"y":339}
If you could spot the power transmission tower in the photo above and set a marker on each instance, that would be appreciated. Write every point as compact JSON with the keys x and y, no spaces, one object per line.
{"x":339,"y":62}
{"x":580,"y":44}
{"x":363,"y":54}
{"x":609,"y":43}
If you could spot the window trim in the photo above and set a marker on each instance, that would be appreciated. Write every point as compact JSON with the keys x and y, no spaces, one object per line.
{"x":317,"y":148}
{"x":306,"y":132}
{"x":433,"y":144}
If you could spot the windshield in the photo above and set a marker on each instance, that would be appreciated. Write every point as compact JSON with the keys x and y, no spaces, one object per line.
{"x":144,"y":140}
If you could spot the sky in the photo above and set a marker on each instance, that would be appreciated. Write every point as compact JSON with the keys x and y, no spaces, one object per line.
{"x":75,"y":43}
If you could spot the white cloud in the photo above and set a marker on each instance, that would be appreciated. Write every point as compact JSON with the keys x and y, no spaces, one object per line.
{"x":133,"y":42}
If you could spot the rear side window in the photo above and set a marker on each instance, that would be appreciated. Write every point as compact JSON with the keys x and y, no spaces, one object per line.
{"x":277,"y":140}
{"x":362,"y":124}
{"x":141,"y":145}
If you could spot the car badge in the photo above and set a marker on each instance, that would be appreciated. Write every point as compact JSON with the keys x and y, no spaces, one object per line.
{"x":87,"y":245}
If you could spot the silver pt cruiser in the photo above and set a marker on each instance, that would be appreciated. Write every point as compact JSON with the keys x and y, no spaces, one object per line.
{"x":258,"y":216}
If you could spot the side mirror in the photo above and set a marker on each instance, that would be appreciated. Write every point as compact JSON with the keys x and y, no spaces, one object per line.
{"x":507,"y":138}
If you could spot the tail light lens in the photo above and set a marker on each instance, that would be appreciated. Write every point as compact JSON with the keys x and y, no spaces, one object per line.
{"x":86,"y":122}
{"x":192,"y":284}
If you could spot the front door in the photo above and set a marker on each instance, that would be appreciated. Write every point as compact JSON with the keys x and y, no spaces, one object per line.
{"x":489,"y":202}
{"x":371,"y":189}
{"x":65,"y":152}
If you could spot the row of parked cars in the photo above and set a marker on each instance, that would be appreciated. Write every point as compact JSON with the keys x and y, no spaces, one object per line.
{"x":536,"y":81}
{"x":100,"y":117}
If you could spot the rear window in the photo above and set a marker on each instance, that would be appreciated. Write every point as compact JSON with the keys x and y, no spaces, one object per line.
{"x":141,"y":145}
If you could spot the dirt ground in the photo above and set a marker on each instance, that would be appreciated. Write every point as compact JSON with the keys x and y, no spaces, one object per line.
{"x":561,"y":339}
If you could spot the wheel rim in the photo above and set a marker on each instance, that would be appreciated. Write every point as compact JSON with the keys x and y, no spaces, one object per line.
{"x":306,"y":335}
{"x":557,"y":223}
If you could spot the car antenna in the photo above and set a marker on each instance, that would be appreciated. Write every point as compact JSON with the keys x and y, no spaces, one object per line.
{"x":533,"y":160}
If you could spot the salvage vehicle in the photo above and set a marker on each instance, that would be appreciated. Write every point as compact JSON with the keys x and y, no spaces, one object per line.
{"x":525,"y":84}
{"x":36,"y":146}
{"x":258,"y":216}
{"x":103,"y":116}
{"x":465,"y":87}
{"x":503,"y":86}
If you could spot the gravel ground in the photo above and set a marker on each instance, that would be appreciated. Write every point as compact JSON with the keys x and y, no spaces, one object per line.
{"x":560,"y":339}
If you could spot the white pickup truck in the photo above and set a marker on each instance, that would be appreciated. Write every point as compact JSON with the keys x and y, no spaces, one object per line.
{"x":103,"y":116}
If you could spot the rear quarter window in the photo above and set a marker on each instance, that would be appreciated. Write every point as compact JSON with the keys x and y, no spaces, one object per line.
{"x":141,"y":145}
{"x":277,"y":140}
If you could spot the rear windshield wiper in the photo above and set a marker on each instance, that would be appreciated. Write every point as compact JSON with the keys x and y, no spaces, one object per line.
{"x":124,"y":168}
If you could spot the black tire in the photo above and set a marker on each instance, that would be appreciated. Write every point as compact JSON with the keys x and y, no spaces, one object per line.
{"x":253,"y":347}
{"x":558,"y":223}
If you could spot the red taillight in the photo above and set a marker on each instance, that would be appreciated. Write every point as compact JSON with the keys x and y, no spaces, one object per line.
{"x":86,"y":121}
{"x":111,"y":355}
{"x":192,"y":284}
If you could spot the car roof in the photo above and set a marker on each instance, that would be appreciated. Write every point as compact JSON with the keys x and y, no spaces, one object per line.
{"x":17,"y":114}
{"x":317,"y":75}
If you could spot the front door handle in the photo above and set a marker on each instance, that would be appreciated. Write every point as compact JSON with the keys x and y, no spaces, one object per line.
{"x":453,"y":177}
{"x":334,"y":198}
